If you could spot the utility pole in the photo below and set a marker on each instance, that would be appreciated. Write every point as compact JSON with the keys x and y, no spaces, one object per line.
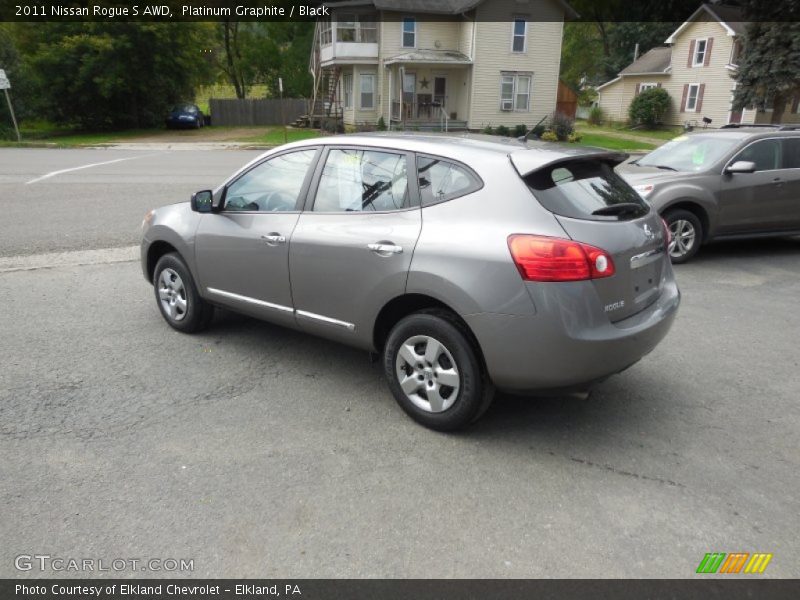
{"x":283,"y":118}
{"x":5,"y":85}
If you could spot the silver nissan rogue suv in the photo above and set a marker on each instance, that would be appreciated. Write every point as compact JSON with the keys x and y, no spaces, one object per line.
{"x":467,"y":262}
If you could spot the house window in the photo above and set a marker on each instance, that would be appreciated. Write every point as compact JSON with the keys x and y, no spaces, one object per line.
{"x":409,"y":32}
{"x":519,"y":35}
{"x":356,"y":28}
{"x":647,"y":86}
{"x":325,"y":32}
{"x":699,"y":53}
{"x":347,"y":84}
{"x":736,"y":51}
{"x":346,"y":28}
{"x":515,"y":91}
{"x":691,"y":97}
{"x":368,"y":92}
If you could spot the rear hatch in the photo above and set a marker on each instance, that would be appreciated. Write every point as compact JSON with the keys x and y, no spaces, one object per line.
{"x":596,"y":206}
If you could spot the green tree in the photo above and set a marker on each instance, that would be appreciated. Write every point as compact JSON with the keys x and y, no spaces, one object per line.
{"x":769,"y":67}
{"x":114,"y":75}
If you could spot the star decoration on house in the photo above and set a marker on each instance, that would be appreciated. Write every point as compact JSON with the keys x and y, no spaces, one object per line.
{"x":424,"y":83}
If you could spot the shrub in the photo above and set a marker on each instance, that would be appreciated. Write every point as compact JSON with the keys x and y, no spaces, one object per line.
{"x":520,"y":130}
{"x":502,"y":130}
{"x":538,"y":130}
{"x":549,"y":136}
{"x":649,"y":107}
{"x":381,"y":124}
{"x":488,"y":130}
{"x":574,"y":137}
{"x":561,"y":125}
{"x":595,"y":116}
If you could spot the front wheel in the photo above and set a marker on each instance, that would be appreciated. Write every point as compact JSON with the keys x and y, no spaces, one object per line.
{"x":434,"y":372}
{"x":686,"y":234}
{"x":176,"y":295}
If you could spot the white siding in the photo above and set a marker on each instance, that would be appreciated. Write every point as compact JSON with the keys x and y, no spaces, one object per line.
{"x":716,"y":77}
{"x":493,"y":56}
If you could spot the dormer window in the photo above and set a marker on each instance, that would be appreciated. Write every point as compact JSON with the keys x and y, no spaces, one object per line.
{"x":409,"y":32}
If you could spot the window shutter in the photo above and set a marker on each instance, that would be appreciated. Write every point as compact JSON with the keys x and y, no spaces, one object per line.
{"x":796,"y":104}
{"x":699,"y":103}
{"x":690,"y":60}
{"x":709,"y":45}
{"x":658,"y":84}
{"x":638,"y":87}
{"x":683,"y":98}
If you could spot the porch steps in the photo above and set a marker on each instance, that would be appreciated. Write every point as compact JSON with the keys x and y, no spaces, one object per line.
{"x":452,"y":125}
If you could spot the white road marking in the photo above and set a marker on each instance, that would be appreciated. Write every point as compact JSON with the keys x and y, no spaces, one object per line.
{"x":75,"y":258}
{"x":89,"y":166}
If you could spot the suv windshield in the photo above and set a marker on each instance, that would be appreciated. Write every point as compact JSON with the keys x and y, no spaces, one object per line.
{"x":586,"y":189}
{"x":690,"y":152}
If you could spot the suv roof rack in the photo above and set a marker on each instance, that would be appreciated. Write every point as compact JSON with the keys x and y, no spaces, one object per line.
{"x":778,"y":126}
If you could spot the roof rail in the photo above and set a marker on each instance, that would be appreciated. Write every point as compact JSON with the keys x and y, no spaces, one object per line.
{"x":778,"y":126}
{"x":748,"y":125}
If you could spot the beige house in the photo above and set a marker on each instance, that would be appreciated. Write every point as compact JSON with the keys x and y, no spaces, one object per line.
{"x":430,"y":64}
{"x":696,"y":68}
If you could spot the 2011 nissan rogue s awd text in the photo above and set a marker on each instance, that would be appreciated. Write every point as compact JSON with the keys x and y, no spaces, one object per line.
{"x":469,"y":263}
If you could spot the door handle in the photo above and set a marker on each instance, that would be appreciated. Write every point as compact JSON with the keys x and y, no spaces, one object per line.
{"x":385,"y":249}
{"x":274,"y":238}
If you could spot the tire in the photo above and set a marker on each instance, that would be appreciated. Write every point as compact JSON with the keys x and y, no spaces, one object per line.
{"x":687,"y":235}
{"x":427,"y":399}
{"x":176,"y":296}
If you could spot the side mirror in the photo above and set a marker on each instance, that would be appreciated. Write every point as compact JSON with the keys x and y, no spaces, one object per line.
{"x":741,"y":166}
{"x":201,"y":201}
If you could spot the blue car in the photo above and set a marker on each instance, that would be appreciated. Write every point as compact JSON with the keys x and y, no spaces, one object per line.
{"x":185,"y":115}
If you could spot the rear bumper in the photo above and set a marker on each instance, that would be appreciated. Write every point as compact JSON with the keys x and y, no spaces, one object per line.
{"x":570,"y":343}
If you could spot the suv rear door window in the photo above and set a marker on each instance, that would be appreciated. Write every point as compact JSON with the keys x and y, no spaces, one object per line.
{"x":586,"y":189}
{"x":791,"y":153}
{"x":362,"y":180}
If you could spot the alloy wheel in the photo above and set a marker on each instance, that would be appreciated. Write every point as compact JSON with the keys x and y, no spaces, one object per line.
{"x":683,"y":236}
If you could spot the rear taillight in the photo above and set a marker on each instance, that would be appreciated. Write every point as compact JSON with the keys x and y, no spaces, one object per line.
{"x":667,"y":234}
{"x":541,"y":258}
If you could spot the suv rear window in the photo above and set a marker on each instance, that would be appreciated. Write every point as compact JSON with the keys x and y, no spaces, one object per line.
{"x":586,"y":189}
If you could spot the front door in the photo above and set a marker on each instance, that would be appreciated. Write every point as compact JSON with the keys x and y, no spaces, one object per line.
{"x":242,"y":252}
{"x":440,"y":92}
{"x":409,"y":95}
{"x":352,"y":247}
{"x":753,"y":202}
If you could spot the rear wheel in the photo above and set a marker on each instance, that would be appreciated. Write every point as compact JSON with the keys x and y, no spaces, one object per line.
{"x":686,"y":233}
{"x":177,"y":298}
{"x":434,"y":371}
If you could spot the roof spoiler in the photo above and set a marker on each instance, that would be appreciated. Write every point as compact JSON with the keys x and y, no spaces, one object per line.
{"x":530,"y":160}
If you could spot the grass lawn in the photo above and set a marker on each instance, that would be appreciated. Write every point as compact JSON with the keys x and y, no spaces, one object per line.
{"x":663,"y":133}
{"x":275,"y":137}
{"x":613,"y":143}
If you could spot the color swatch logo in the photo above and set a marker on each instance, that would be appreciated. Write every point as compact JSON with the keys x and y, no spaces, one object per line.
{"x":735,"y":562}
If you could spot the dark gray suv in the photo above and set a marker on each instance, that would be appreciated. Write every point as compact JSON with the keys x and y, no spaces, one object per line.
{"x":466,"y":262}
{"x":728,"y":183}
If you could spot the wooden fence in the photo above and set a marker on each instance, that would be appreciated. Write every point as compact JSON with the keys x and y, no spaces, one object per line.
{"x":256,"y":112}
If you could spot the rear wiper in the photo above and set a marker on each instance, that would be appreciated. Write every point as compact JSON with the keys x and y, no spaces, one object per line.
{"x":618,"y":209}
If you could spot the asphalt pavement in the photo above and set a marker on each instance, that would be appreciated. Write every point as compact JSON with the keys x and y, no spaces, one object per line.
{"x":261,"y":452}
